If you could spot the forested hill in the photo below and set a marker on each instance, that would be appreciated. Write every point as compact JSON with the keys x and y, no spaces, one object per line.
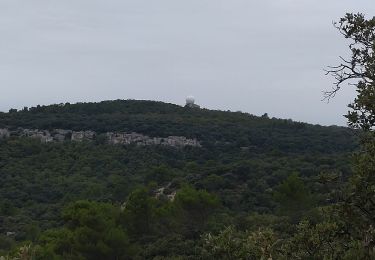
{"x":213,"y":128}
{"x":158,"y":202}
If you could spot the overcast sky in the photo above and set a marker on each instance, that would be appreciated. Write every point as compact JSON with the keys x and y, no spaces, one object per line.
{"x":254,"y":56}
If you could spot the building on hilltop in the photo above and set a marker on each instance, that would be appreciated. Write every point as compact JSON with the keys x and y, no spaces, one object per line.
{"x":190,"y":102}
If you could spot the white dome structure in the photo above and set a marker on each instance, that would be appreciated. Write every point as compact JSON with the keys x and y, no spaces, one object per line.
{"x":190,"y":100}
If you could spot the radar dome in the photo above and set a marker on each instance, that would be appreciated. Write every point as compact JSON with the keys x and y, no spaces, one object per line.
{"x":190,"y":100}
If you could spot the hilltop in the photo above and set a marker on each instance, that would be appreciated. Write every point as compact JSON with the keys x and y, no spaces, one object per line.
{"x":157,"y":119}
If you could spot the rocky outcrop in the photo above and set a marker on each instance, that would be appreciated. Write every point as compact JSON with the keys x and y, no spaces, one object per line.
{"x":165,"y":192}
{"x":43,"y":135}
{"x":139,"y":139}
{"x":4,"y":133}
{"x":115,"y":138}
{"x":83,"y":135}
{"x":61,"y":135}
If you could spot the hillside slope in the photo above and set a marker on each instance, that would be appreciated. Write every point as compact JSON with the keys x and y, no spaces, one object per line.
{"x":162,"y":120}
{"x":242,"y":160}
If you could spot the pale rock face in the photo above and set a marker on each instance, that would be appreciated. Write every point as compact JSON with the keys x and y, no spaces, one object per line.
{"x":90,"y":135}
{"x":115,"y":138}
{"x":4,"y":133}
{"x":43,"y":135}
{"x":77,"y":136}
{"x":139,"y":139}
{"x":172,"y":196}
{"x":46,"y":139}
{"x":82,"y":136}
{"x":61,"y":135}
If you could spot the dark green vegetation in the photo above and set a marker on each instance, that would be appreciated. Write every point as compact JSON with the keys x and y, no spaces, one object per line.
{"x":242,"y":170}
{"x":212,"y":128}
{"x":258,"y":189}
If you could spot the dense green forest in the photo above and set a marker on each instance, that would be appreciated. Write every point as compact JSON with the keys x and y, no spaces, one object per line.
{"x":214,"y":128}
{"x":235,"y":178}
{"x":258,"y":188}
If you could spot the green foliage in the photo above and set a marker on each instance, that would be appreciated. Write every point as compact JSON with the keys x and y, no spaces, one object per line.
{"x":25,"y":252}
{"x":91,"y":231}
{"x":360,"y":67}
{"x":293,"y":196}
{"x":231,"y":244}
{"x":313,"y":242}
{"x":138,"y":213}
{"x":193,"y":209}
{"x":6,"y":243}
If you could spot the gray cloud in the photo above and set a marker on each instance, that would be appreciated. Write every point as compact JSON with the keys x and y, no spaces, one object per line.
{"x":254,"y":56}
